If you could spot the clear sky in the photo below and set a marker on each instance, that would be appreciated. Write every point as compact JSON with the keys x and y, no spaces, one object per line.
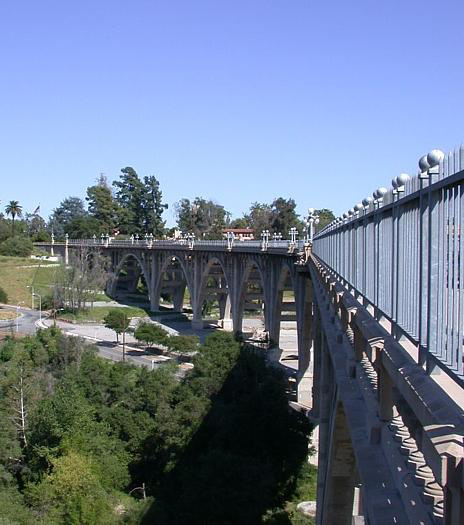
{"x":234,"y":100}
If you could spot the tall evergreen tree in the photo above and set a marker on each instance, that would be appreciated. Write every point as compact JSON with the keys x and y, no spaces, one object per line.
{"x":129,"y":195}
{"x":102,"y":206}
{"x":153,"y":207}
{"x":70,"y":208}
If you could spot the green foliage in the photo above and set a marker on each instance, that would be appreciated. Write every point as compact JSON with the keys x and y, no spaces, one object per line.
{"x":205,"y":218}
{"x":16,"y":247}
{"x":183,"y":344}
{"x":117,"y":320}
{"x":14,"y":209}
{"x":140,"y":203}
{"x":102,"y":207}
{"x":219,"y":446}
{"x":153,"y":207}
{"x":69,"y":209}
{"x":325,"y":217}
{"x":71,"y":492}
{"x":84,"y":227}
{"x":3,"y":296}
{"x":150,"y":333}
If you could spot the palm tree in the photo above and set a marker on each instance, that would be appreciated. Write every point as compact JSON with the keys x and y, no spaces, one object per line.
{"x":14,"y":209}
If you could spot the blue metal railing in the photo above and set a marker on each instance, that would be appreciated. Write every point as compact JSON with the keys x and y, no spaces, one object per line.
{"x":403,"y":255}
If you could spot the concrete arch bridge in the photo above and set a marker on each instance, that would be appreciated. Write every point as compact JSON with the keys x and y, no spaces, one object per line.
{"x":378,"y":301}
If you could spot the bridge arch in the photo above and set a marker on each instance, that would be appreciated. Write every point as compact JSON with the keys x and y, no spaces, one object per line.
{"x":139,"y":270}
{"x":220,"y":288}
{"x":252,"y":276}
{"x":173,"y":278}
{"x":284,"y":303}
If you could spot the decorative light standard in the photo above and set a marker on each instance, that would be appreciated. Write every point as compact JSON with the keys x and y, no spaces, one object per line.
{"x":311,"y":220}
{"x":265,"y":237}
{"x":293,"y":235}
{"x":191,"y":240}
{"x":230,"y":236}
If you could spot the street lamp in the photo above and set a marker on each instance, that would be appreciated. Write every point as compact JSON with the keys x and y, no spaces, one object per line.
{"x":293,"y":235}
{"x":230,"y":236}
{"x":312,"y":219}
{"x":32,"y":296}
{"x":265,"y":237}
{"x":17,"y":316}
{"x":40,"y":305}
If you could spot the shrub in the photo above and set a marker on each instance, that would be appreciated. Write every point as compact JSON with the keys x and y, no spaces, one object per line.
{"x":184,"y":344}
{"x":3,"y":296}
{"x":150,"y":333}
{"x":16,"y":247}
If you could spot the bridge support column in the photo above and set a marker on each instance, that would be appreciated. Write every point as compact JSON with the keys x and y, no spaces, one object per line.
{"x":304,"y":297}
{"x":342,"y":474}
{"x":178,"y":298}
{"x":224,"y":309}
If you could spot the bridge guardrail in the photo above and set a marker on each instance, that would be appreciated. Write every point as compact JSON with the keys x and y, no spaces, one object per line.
{"x":237,"y":245}
{"x":403,"y":255}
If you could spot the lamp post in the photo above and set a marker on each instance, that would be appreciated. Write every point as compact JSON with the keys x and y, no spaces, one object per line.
{"x":191,"y":240}
{"x":230,"y":236}
{"x":17,"y":316}
{"x":40,"y":305}
{"x":293,"y":236}
{"x":312,"y":219}
{"x":32,"y":296}
{"x":265,"y":237}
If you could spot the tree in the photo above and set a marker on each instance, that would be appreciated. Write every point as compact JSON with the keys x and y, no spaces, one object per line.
{"x":77,"y":284}
{"x":101,"y":206}
{"x":150,"y":333}
{"x":16,"y":247}
{"x":325,"y":217}
{"x":204,"y":218}
{"x":36,"y":227}
{"x":84,"y":227}
{"x":117,"y":320}
{"x":72,"y":492}
{"x":69,"y":209}
{"x":183,"y":344}
{"x":129,"y":195}
{"x":153,"y":207}
{"x":259,"y":218}
{"x":14,"y":209}
{"x":284,"y":216}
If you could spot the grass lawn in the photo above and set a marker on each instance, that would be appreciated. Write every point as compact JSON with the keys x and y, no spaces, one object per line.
{"x":97,"y":314}
{"x":16,"y":273}
{"x":6,"y":315}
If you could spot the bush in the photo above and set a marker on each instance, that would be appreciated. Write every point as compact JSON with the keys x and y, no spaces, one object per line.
{"x":3,"y":296}
{"x":150,"y":333}
{"x":16,"y":247}
{"x":184,"y":344}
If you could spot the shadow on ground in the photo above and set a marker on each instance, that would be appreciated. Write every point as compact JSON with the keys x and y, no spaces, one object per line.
{"x":240,"y":461}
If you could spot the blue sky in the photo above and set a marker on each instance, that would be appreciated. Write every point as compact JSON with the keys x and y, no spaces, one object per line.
{"x":238,"y":101}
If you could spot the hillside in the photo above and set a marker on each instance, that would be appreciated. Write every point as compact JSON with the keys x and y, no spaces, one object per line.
{"x":17,"y":273}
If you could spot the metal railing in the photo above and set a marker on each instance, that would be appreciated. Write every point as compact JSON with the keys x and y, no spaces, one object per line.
{"x":237,"y":245}
{"x":402,"y":254}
